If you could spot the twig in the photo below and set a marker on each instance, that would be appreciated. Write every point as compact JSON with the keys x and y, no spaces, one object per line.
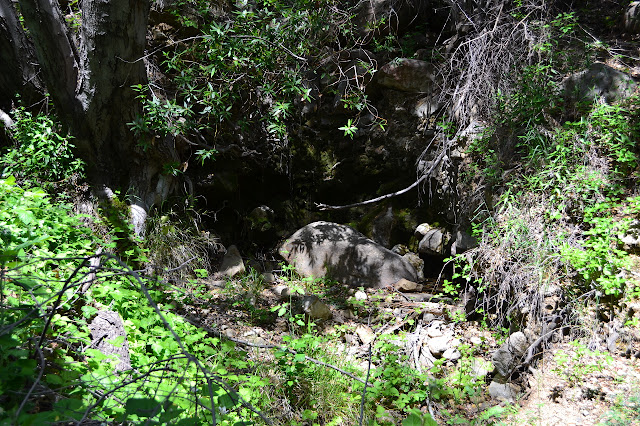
{"x":271,"y":346}
{"x":190,"y":357}
{"x":436,"y":162}
{"x":24,"y":401}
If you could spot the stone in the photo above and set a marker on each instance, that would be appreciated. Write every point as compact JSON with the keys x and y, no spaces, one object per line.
{"x":421,"y":230}
{"x":599,"y":81}
{"x":417,"y":263}
{"x":434,"y":331}
{"x":405,"y":285}
{"x":232,"y":263}
{"x":451,"y":354}
{"x":462,"y":243}
{"x":269,"y":277}
{"x":339,"y":252}
{"x":480,"y":368}
{"x":365,"y":333}
{"x":360,"y":295}
{"x":434,"y":242}
{"x":475,"y":340}
{"x":631,"y":237}
{"x":631,"y":19}
{"x":406,"y":75}
{"x":282,"y":291}
{"x":438,"y":345}
{"x":507,"y":357}
{"x":314,"y":308}
{"x":503,"y":391}
{"x":109,"y":337}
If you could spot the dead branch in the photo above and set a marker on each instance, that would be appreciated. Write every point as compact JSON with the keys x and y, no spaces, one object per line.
{"x":221,"y":335}
{"x":436,"y":162}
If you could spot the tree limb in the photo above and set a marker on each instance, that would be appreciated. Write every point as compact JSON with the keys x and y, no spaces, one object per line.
{"x":221,"y":335}
{"x":436,"y":162}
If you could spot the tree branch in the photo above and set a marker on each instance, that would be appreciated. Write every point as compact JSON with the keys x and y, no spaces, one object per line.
{"x":221,"y":335}
{"x":324,"y":207}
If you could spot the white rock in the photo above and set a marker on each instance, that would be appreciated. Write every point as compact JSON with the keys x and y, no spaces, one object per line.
{"x":434,"y":331}
{"x":451,"y":354}
{"x":365,"y":333}
{"x":475,"y":340}
{"x":438,"y":345}
{"x":232,"y":263}
{"x":360,"y":295}
{"x":405,"y":285}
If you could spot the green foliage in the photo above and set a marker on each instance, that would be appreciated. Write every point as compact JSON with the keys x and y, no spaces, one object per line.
{"x":41,"y":155}
{"x":625,"y":412}
{"x":395,"y":385}
{"x":43,"y":329}
{"x":256,"y":51}
{"x":349,"y":129}
{"x":582,"y":361}
{"x":599,"y":261}
{"x":160,"y":117}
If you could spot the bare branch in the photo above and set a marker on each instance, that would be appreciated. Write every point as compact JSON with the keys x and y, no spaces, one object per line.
{"x":436,"y":162}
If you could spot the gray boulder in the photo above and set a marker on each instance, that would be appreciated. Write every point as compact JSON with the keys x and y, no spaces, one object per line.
{"x":503,"y":391}
{"x":632,"y":18}
{"x":339,"y":252}
{"x":109,"y":337}
{"x":434,"y":241}
{"x":314,"y":308}
{"x":232,"y":263}
{"x":463,"y":243}
{"x":598,"y":81}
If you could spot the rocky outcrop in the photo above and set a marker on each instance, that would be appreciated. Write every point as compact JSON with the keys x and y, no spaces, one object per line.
{"x":596,"y":82}
{"x":632,"y":18}
{"x":406,"y":75}
{"x":339,"y":252}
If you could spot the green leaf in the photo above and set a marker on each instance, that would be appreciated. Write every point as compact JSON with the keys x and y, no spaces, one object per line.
{"x":143,"y":407}
{"x":412,"y":420}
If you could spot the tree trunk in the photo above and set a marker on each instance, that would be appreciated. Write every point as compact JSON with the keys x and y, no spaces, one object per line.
{"x":90,"y":86}
{"x":19,"y":73}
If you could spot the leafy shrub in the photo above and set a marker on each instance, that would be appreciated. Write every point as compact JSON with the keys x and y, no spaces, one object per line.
{"x":41,"y":154}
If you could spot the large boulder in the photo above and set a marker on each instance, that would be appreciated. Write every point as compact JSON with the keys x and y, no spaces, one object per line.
{"x":433,"y":241}
{"x":339,"y":252}
{"x":632,"y":18}
{"x":598,"y":81}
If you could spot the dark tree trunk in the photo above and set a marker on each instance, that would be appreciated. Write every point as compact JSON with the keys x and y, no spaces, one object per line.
{"x":90,"y":86}
{"x":18,"y":73}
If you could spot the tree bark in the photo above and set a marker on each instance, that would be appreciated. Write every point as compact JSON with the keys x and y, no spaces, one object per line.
{"x":91,"y":88}
{"x":19,"y":72}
